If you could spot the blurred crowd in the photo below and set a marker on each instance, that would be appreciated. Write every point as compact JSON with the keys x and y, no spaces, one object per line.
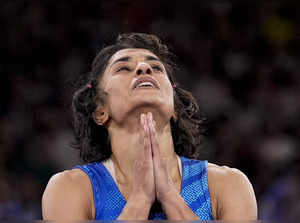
{"x":240,"y":60}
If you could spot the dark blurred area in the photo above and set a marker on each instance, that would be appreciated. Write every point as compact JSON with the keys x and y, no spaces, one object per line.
{"x":239,"y":58}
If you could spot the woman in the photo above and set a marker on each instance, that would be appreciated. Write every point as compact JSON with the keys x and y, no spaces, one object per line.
{"x":137,"y":130}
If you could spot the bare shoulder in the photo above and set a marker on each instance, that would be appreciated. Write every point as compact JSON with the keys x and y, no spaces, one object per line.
{"x":227,"y":179}
{"x":68,"y":195}
{"x":73,"y":178}
{"x":232,"y":193}
{"x":224,"y":173}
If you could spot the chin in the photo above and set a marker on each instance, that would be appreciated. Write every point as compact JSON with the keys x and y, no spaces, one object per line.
{"x":162,"y":105}
{"x":137,"y":105}
{"x":148,"y":99}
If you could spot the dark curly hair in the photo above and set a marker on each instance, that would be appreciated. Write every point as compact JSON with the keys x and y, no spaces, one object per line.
{"x":93,"y":140}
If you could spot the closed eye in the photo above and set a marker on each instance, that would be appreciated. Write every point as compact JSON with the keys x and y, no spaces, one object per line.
{"x":123,"y":69}
{"x":157,"y":68}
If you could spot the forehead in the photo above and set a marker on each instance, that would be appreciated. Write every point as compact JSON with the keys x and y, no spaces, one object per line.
{"x":131,"y":52}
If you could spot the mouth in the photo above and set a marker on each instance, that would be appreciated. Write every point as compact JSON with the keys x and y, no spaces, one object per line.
{"x":145,"y":83}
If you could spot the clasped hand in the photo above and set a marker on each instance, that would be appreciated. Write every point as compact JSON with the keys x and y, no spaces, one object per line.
{"x":151,"y":178}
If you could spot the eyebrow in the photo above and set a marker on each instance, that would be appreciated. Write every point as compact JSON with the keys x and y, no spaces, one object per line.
{"x":152,"y":58}
{"x":128,"y":58}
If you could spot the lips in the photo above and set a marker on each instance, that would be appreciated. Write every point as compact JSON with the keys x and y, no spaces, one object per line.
{"x":145,"y":82}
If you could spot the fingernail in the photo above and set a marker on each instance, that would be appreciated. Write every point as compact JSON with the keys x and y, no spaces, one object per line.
{"x":152,"y":124}
{"x":150,"y":116}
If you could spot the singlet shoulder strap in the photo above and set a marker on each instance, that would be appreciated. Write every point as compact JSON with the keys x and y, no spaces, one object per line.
{"x":95,"y":176}
{"x":108,"y":200}
{"x":195,"y":190}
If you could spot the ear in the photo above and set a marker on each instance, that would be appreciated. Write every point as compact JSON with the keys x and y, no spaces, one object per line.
{"x":100,"y":116}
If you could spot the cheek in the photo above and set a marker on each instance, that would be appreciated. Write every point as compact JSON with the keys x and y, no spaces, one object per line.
{"x":117,"y":91}
{"x":168,"y":87}
{"x":168,"y":92}
{"x":115,"y":86}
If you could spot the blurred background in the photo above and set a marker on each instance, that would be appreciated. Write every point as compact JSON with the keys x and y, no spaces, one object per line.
{"x":239,"y":58}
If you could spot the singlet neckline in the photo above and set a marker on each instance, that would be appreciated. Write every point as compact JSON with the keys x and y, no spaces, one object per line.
{"x":109,"y":168}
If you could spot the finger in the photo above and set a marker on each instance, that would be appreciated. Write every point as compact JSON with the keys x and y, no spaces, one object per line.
{"x":147,"y":141}
{"x":142,"y":119}
{"x":142,"y":132}
{"x":153,"y":137}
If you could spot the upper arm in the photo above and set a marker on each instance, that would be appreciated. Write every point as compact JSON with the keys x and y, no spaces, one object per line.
{"x":67,"y":196}
{"x":234,"y":195}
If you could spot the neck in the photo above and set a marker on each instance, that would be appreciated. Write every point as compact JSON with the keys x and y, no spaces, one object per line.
{"x":126,"y":145}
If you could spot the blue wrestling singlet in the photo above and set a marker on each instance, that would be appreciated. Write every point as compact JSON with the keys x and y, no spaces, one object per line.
{"x":109,"y":201}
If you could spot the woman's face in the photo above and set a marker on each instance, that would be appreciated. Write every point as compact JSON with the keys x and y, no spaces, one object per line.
{"x":136,"y":78}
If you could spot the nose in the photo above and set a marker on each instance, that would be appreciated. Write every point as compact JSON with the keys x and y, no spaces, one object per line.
{"x":143,"y":68}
